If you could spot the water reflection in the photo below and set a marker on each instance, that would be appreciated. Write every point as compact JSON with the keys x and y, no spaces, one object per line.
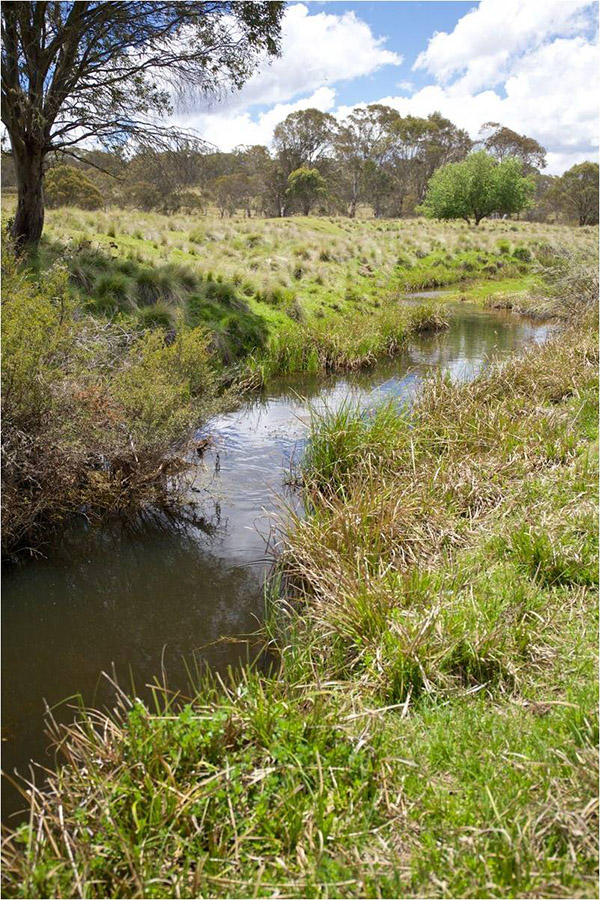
{"x":151,"y":596}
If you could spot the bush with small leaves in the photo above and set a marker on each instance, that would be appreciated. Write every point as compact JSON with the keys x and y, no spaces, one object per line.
{"x":67,"y":186}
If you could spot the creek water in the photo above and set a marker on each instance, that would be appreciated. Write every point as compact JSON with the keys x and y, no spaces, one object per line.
{"x":164,"y":596}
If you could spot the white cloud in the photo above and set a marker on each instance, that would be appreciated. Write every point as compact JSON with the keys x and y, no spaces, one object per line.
{"x":483,"y":42}
{"x":231,"y":128}
{"x":318,"y":50}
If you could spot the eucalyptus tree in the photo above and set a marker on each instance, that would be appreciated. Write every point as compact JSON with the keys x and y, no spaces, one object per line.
{"x":306,"y":186}
{"x":303,"y":138}
{"x":106,"y":73}
{"x":502,"y":142}
{"x":360,"y":144}
{"x":404,"y":158}
{"x":443,"y":143}
{"x":576,"y":192}
{"x":268,"y":178}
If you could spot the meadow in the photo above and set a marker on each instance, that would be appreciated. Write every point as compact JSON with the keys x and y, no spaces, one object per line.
{"x":428,"y":724}
{"x":258,"y":284}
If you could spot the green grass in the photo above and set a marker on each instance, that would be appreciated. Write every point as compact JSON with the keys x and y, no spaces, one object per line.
{"x":429,"y":726}
{"x":277,"y":273}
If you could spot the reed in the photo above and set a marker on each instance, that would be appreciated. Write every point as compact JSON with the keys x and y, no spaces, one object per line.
{"x":427,"y":726}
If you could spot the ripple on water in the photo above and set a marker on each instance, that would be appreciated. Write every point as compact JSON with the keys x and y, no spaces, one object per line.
{"x":163,"y":592}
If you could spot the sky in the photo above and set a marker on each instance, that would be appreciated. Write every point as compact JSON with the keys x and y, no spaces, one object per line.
{"x":531,"y":65}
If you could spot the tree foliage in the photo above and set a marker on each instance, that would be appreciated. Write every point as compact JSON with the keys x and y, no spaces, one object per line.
{"x":576,"y":192}
{"x":477,"y":187}
{"x":502,"y":142}
{"x":306,"y":186}
{"x":67,"y":186}
{"x":303,"y":138}
{"x":75,"y":71}
{"x":233,"y":192}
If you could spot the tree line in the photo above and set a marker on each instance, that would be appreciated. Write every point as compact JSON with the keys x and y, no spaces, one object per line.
{"x":77,"y":75}
{"x":375,"y":158}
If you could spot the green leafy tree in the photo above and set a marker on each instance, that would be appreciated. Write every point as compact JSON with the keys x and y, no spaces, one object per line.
{"x":306,"y":186}
{"x":477,"y":187}
{"x":576,"y":193}
{"x":108,"y":72}
{"x":67,"y":186}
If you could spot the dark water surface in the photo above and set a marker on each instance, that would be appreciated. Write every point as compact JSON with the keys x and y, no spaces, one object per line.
{"x":160,"y":595}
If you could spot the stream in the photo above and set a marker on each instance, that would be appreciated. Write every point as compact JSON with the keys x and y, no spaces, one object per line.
{"x":158,"y":595}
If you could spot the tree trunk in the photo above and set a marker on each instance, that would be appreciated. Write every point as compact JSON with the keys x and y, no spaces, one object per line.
{"x":29,"y":218}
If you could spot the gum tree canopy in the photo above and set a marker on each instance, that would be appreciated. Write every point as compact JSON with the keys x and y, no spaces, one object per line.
{"x":106,"y":73}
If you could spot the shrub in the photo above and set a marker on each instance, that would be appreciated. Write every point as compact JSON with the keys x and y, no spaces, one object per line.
{"x":66,"y":186}
{"x":92,"y":416}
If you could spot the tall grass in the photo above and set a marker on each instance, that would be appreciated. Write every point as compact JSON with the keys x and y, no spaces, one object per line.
{"x":358,"y":342}
{"x":428,"y":726}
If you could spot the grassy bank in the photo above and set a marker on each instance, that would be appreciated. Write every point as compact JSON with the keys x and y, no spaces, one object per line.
{"x":254,"y":284}
{"x":98,"y":403}
{"x":429,"y":728}
{"x":95,"y":415}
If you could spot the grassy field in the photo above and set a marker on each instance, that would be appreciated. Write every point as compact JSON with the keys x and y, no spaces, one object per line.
{"x":266,"y":287}
{"x":429,"y":724}
{"x":429,"y":727}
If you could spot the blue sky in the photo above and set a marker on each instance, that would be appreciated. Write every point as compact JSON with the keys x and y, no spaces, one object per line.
{"x":530,"y":64}
{"x":406,"y":28}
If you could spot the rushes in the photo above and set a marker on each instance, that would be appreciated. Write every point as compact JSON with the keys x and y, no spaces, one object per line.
{"x":355,"y":343}
{"x":391,"y":496}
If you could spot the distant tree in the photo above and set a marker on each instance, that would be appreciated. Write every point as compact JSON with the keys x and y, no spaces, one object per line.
{"x":442,"y":143}
{"x":379,"y":187}
{"x":268,"y":180}
{"x":362,"y":140}
{"x":67,"y":186}
{"x":303,"y":138}
{"x":79,"y":71}
{"x":9,"y":176}
{"x":502,"y":142}
{"x":576,"y":192}
{"x":387,"y":158}
{"x":306,"y":186}
{"x":233,"y":192}
{"x":545,"y":205}
{"x":477,"y":187}
{"x":155,"y":179}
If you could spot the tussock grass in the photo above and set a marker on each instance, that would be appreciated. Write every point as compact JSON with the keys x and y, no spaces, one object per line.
{"x":428,"y":728}
{"x":358,"y":343}
{"x":316,"y":272}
